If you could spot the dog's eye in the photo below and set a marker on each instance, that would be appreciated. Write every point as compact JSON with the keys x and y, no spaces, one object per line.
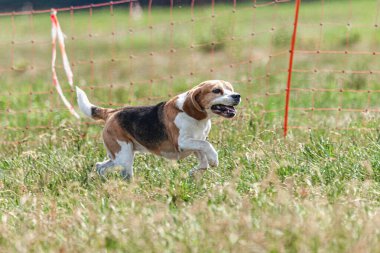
{"x":217,"y":91}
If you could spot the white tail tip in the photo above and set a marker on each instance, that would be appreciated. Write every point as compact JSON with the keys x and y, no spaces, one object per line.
{"x":83,"y":102}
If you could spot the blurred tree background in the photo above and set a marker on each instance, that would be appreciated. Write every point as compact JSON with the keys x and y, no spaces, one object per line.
{"x":24,"y":5}
{"x":19,"y":5}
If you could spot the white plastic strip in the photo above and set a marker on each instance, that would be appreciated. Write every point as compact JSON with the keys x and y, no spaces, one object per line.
{"x":56,"y":32}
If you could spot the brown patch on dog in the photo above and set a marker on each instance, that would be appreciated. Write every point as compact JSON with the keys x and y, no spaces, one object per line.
{"x":112,"y":133}
{"x":192,"y":105}
{"x":170,"y":113}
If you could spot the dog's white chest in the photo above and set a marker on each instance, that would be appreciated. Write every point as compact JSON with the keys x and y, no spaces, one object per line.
{"x":191,"y":128}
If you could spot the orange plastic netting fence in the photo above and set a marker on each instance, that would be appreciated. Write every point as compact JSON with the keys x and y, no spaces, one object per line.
{"x":124,"y":53}
{"x":336,"y":67}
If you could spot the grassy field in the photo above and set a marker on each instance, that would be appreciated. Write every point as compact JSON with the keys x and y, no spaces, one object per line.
{"x":316,"y":191}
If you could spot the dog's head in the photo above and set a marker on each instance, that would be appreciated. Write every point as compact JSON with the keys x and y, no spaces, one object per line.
{"x":214,"y":97}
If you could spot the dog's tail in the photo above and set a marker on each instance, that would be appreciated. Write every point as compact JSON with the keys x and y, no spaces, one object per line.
{"x":89,"y":109}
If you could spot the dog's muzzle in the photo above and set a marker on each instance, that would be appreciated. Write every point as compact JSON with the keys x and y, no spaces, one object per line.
{"x":227,"y":111}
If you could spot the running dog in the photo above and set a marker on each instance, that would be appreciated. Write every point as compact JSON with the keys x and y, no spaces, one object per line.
{"x":174,"y":129}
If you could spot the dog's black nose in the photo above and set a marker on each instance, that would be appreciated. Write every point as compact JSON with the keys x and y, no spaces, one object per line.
{"x":235,"y":96}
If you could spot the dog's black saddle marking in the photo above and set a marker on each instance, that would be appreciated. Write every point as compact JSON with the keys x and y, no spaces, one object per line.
{"x":144,"y":123}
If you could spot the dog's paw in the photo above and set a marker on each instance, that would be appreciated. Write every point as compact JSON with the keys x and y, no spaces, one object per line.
{"x":213,"y":160}
{"x":99,"y":168}
{"x":214,"y":163}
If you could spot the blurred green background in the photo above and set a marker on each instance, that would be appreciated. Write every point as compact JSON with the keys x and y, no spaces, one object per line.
{"x":122,"y":56}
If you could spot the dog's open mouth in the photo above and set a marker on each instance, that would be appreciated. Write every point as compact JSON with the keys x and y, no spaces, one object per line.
{"x":226,"y":111}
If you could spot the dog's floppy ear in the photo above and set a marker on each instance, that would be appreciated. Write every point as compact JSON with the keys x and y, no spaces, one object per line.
{"x":192,"y":107}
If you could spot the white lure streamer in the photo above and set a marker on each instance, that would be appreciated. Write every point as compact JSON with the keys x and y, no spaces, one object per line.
{"x":56,"y":33}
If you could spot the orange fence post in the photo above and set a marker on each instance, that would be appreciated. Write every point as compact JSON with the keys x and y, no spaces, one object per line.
{"x":290,"y":69}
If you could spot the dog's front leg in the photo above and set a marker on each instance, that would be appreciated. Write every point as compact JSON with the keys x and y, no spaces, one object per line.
{"x":203,"y":163}
{"x":202,"y":159}
{"x":200,"y":146}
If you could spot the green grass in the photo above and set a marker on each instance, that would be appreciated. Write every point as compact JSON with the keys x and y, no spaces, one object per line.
{"x":315,"y":194}
{"x":316,"y":191}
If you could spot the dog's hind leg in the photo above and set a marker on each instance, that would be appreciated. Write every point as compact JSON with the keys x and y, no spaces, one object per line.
{"x":119,"y":148}
{"x":124,"y":158}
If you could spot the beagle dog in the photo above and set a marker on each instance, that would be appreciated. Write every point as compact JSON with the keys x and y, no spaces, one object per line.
{"x":174,"y":129}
